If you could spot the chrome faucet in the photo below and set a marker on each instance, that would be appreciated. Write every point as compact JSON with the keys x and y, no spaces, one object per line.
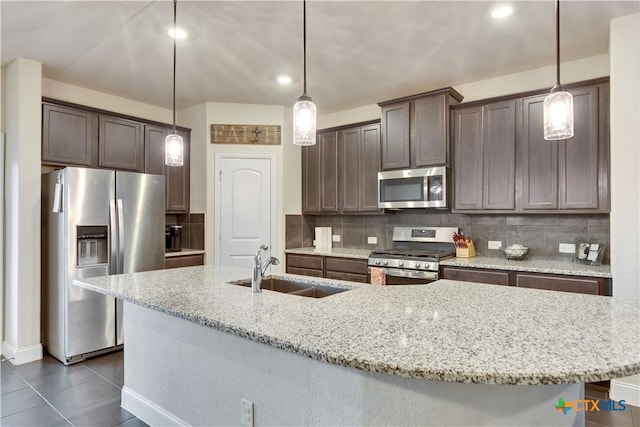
{"x":259,"y":268}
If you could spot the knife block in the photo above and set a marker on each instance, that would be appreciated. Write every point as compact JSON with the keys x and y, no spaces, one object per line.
{"x":468,"y":252}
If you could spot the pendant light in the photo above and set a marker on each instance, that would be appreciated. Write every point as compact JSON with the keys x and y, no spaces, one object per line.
{"x":173,"y":143}
{"x":304,"y":111}
{"x":558,"y":105}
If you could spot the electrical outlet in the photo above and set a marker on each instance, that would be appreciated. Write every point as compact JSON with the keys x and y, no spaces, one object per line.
{"x":247,"y":413}
{"x":567,"y":248}
{"x":495,"y":244}
{"x":335,"y":238}
{"x":372,"y":240}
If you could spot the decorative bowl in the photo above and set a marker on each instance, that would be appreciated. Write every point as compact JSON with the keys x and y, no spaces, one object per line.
{"x":515,"y":251}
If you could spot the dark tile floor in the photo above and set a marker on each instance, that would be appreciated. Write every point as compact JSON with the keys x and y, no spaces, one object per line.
{"x":47,"y":393}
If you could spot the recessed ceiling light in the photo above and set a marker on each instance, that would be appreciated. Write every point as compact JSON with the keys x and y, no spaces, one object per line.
{"x":501,"y":11}
{"x":284,"y":80}
{"x":179,"y":34}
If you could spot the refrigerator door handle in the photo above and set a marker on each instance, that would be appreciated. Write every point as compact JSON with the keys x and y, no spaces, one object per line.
{"x":120,"y":237}
{"x":113,"y":234}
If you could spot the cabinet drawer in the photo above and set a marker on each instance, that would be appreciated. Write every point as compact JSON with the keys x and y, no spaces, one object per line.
{"x":490,"y":277}
{"x":305,"y":261}
{"x":355,"y":266}
{"x":184,"y":261}
{"x":350,"y":277}
{"x":305,"y":271}
{"x":580,"y":285}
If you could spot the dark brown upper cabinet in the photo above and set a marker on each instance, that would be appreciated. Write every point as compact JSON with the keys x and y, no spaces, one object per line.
{"x":484,"y":146}
{"x":177,"y":178}
{"x":359,"y":159}
{"x":340,"y":172}
{"x":69,"y":136}
{"x":502,"y":163}
{"x":569,"y":175}
{"x":320,"y":174}
{"x":415,"y":129}
{"x":120,"y":144}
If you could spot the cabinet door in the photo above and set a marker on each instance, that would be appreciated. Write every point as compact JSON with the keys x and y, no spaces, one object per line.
{"x":476,"y":275}
{"x":120,"y":144}
{"x":329,"y":171}
{"x":154,"y":149}
{"x":370,"y":166}
{"x":467,"y":147}
{"x":350,"y":160}
{"x":69,"y":136}
{"x":578,"y":166}
{"x":582,"y":285}
{"x":396,"y":152}
{"x":537,"y":160}
{"x":429,"y":131}
{"x":178,"y":180}
{"x":184,"y":261}
{"x":311,"y":178}
{"x":499,"y":153}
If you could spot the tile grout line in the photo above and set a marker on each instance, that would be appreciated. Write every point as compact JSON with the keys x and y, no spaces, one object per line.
{"x":106,"y":379}
{"x":43,"y":398}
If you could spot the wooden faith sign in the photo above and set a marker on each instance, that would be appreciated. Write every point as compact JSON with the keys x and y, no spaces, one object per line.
{"x":245,"y":134}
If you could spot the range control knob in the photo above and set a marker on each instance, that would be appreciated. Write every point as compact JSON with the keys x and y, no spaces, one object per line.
{"x":377,"y":262}
{"x":417,"y":265}
{"x":385,"y":262}
{"x":401,"y":263}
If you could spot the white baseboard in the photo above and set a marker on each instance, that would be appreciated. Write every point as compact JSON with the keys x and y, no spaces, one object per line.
{"x":18,"y":356}
{"x":148,"y":411}
{"x":624,"y":390}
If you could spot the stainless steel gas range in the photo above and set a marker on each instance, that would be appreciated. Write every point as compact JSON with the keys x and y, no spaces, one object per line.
{"x":415,"y":256}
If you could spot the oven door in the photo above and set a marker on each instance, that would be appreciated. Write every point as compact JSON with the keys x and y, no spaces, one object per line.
{"x":399,"y":276}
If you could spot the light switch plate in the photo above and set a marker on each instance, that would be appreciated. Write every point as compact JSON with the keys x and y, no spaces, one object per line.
{"x":495,"y":244}
{"x":335,"y":238}
{"x":372,"y":240}
{"x":567,"y":248}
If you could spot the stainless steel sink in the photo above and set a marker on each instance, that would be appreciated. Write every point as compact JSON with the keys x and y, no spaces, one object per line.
{"x":293,"y":287}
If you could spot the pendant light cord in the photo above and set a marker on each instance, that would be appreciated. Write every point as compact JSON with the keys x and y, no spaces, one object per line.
{"x":558,"y":43}
{"x":304,"y":45}
{"x":175,"y":4}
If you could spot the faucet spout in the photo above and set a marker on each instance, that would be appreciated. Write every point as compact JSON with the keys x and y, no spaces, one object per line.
{"x":258,"y":268}
{"x":269,"y":261}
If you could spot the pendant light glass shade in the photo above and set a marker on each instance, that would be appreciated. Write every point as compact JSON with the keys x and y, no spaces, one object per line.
{"x":173,"y":150}
{"x":558,"y":105}
{"x":558,"y":116}
{"x":304,"y":111}
{"x":304,"y":121}
{"x":173,"y":143}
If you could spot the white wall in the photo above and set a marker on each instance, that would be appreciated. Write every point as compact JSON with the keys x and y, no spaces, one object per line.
{"x":22,"y":271}
{"x":624,"y":48}
{"x":573,"y":71}
{"x":104,"y":101}
{"x":288,"y":163}
{"x":195,"y":118}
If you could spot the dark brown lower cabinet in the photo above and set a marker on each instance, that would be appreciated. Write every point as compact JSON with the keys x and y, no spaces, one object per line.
{"x":550,"y":282}
{"x":352,"y":270}
{"x":184,"y":261}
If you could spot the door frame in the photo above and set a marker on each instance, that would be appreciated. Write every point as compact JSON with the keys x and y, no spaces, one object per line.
{"x":217,"y":208}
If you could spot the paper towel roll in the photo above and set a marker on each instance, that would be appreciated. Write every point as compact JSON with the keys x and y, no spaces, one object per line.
{"x":323,"y":238}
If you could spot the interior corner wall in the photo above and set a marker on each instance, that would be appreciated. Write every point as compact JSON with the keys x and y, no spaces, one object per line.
{"x":624,"y":48}
{"x":22,"y":270}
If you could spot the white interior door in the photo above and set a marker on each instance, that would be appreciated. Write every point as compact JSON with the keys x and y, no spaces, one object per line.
{"x":245,"y":202}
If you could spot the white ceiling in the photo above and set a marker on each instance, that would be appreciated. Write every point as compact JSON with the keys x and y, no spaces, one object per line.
{"x":359,"y":52}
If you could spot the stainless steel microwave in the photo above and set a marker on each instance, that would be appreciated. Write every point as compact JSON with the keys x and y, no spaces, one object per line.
{"x":413,"y":188}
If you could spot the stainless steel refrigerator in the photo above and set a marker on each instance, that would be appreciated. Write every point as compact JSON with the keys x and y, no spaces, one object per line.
{"x":95,"y":223}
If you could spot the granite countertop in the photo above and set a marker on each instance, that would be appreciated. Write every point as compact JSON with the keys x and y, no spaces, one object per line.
{"x":184,"y":252}
{"x":534,"y":266}
{"x":446,"y":331}
{"x":336,"y":252}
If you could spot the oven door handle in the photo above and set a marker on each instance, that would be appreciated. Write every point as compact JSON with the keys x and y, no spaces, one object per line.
{"x":412,"y":274}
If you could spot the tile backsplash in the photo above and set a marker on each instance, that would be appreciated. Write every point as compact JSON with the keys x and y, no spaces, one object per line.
{"x":541,"y":233}
{"x":192,"y":228}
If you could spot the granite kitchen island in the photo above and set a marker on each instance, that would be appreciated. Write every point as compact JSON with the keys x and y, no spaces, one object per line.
{"x":449,"y":353}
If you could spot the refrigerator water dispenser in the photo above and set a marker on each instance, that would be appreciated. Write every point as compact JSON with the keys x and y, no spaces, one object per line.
{"x":92,"y":245}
